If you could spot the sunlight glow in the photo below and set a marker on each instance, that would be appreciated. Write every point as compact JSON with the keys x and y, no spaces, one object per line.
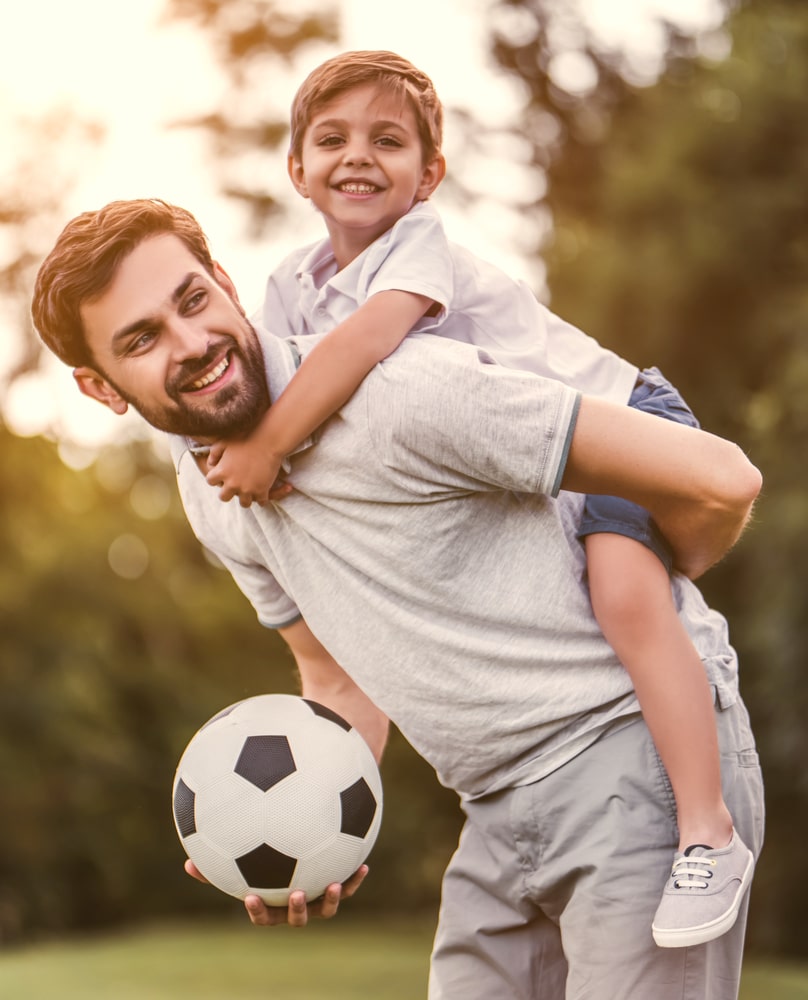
{"x":119,"y":64}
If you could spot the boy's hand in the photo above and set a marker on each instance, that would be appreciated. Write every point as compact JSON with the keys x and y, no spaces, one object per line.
{"x":235,"y":467}
{"x":298,"y":913}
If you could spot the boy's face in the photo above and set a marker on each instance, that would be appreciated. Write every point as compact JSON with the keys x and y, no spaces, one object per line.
{"x":171,"y":340}
{"x":362,"y":166}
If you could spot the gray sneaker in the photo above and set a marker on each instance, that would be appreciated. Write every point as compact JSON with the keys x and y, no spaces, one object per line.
{"x":703,"y":894}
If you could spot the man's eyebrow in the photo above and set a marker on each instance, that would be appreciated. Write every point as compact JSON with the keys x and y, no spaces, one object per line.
{"x":140,"y":324}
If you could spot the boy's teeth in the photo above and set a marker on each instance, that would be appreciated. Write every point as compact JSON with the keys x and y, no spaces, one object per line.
{"x":358,"y":188}
{"x":220,"y":369}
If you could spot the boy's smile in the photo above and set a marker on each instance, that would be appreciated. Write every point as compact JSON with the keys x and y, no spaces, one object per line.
{"x":362,"y":166}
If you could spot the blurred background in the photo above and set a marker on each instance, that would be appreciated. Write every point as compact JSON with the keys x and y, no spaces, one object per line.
{"x":642,"y":163}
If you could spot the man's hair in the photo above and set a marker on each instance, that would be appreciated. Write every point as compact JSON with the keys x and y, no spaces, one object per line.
{"x":84,"y":261}
{"x":390,"y":72}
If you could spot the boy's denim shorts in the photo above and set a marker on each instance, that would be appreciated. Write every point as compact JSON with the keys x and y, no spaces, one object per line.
{"x":652,"y":393}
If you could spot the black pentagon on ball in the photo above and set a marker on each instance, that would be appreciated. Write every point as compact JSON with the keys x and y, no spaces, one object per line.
{"x":184,"y":813}
{"x":266,"y":868}
{"x":358,"y":809}
{"x":265,"y":760}
{"x":328,"y":713}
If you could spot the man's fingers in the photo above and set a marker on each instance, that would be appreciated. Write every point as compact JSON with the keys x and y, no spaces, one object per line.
{"x":262,"y":915}
{"x":194,"y":872}
{"x":352,"y":884}
{"x":298,"y":912}
{"x":329,"y":904}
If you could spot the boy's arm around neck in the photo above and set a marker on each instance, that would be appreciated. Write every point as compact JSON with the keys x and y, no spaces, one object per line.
{"x":334,"y":369}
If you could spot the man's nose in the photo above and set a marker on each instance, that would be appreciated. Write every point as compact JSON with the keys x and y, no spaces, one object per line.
{"x":187,"y":339}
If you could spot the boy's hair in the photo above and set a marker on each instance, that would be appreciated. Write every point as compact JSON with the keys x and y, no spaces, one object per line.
{"x":86,"y":256}
{"x":357,"y":69}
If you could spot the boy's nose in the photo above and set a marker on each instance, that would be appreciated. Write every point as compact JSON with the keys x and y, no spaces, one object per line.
{"x":357,"y":153}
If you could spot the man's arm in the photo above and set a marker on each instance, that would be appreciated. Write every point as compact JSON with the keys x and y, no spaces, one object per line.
{"x":323,"y":680}
{"x":699,"y":488}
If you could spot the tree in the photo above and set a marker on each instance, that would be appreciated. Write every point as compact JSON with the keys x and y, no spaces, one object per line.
{"x":31,"y":195}
{"x":253,"y":40}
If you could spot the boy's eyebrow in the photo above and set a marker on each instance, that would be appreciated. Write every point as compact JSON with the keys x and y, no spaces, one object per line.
{"x":139,"y":324}
{"x":342,"y":123}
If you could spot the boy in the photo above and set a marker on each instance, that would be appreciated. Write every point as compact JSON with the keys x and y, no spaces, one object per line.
{"x":365,"y":148}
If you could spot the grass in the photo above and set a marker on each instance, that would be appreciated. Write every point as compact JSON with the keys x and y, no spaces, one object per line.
{"x":227,"y":962}
{"x":340,"y":960}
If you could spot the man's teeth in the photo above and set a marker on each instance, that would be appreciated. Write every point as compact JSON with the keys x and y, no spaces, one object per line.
{"x":354,"y":188}
{"x":212,"y":375}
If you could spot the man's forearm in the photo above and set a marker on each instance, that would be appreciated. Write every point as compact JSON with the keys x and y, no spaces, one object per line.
{"x":699,"y":488}
{"x":323,"y":680}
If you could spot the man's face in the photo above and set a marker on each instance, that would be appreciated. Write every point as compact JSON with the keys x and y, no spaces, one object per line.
{"x":171,"y":340}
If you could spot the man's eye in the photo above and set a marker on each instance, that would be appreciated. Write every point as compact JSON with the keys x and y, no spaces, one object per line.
{"x":142,"y":342}
{"x":195,"y":300}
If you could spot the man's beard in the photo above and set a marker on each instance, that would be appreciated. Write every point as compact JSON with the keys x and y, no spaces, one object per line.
{"x":230,"y":413}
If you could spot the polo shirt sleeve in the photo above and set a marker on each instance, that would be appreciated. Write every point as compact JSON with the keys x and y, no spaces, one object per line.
{"x":224,"y":530}
{"x":446,"y":415}
{"x":273,"y":606}
{"x":413,"y":256}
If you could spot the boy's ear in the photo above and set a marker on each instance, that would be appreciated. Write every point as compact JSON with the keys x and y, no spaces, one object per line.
{"x":432,"y":175}
{"x":296,"y":174}
{"x":95,"y":386}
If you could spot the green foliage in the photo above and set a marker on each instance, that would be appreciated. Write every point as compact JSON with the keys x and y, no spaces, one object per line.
{"x":104,"y":677}
{"x":681,"y":239}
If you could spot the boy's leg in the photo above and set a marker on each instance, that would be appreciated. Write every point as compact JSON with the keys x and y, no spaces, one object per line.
{"x":628,"y":565}
{"x":602,"y":831}
{"x":632,"y":600}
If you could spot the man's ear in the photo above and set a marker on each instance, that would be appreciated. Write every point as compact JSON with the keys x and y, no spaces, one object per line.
{"x":297,"y":175}
{"x":433,"y":174}
{"x":95,"y":386}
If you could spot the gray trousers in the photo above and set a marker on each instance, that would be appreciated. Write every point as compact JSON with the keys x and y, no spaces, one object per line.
{"x":553,"y":886}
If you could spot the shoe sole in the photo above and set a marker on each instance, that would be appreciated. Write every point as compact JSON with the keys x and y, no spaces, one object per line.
{"x":689,"y":936}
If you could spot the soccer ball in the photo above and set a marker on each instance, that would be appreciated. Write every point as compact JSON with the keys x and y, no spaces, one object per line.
{"x":277,"y":793}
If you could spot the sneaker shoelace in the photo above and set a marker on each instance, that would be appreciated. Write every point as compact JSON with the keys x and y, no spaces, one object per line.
{"x":689,"y":872}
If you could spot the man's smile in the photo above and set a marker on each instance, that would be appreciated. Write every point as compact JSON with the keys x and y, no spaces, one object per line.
{"x":211,"y":376}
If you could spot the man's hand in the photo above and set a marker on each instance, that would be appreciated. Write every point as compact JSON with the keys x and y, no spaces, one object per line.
{"x":298,"y":913}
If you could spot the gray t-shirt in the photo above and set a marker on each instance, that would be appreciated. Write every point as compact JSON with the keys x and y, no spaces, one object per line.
{"x":423,"y":548}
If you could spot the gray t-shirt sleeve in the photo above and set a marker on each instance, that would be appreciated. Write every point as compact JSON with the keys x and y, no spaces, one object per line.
{"x":452,"y":418}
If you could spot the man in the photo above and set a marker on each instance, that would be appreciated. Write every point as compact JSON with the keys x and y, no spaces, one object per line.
{"x":422,"y":571}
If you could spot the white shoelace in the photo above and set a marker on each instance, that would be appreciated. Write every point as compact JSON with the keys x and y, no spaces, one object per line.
{"x":692,"y":872}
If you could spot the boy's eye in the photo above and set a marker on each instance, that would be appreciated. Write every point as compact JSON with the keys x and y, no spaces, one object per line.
{"x":330,"y":140}
{"x":389,"y":140}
